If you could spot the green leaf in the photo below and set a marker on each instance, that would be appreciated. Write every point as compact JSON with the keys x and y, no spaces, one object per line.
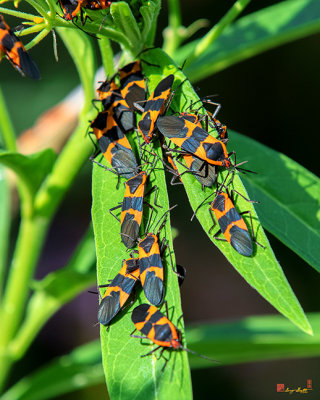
{"x":252,"y":339}
{"x":289,"y":197}
{"x":126,"y":23}
{"x":261,"y":271}
{"x":55,"y":290}
{"x":252,"y":35}
{"x":77,"y":370}
{"x":31,"y":169}
{"x":127,"y":374}
{"x":4,"y":224}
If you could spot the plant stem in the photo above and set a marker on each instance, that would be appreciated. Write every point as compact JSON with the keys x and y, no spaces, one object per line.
{"x":30,"y":240}
{"x":216,"y":31}
{"x":33,"y":29}
{"x":18,"y":14}
{"x":172,"y":35}
{"x":6,"y":126}
{"x":5,"y":222}
{"x":76,"y":151}
{"x":38,"y":38}
{"x":106,"y":55}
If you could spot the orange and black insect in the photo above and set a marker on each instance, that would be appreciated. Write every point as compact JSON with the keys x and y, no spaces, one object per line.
{"x":132,"y":209}
{"x":159,"y":329}
{"x":114,"y":145}
{"x":150,"y":263}
{"x":116,"y":106}
{"x":15,"y":52}
{"x":221,"y":129}
{"x":204,"y":172}
{"x":194,"y":140}
{"x":108,"y":92}
{"x":151,"y":268}
{"x":232,"y":224}
{"x":71,"y":8}
{"x":132,"y":84}
{"x":118,"y":291}
{"x":155,"y":106}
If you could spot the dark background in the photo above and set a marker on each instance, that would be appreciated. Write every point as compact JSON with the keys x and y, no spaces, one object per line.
{"x":272,"y":98}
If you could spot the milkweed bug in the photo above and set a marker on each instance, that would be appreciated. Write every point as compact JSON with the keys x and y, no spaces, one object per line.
{"x":232,"y":224}
{"x":151,"y":268}
{"x":118,"y":291}
{"x":155,"y":106}
{"x":71,"y":8}
{"x":132,"y":207}
{"x":205,"y":173}
{"x":14,"y":51}
{"x":193,"y":139}
{"x":131,"y":88}
{"x":114,"y":145}
{"x":150,"y":263}
{"x":159,"y":329}
{"x":108,"y":92}
{"x":132,"y":84}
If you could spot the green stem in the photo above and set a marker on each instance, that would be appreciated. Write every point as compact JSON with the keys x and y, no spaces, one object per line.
{"x":38,"y":38}
{"x":9,"y":139}
{"x":31,"y":237}
{"x":52,"y":7}
{"x":30,"y":240}
{"x":216,"y":31}
{"x":174,"y":14}
{"x":76,"y":151}
{"x":5,"y":223}
{"x":6,"y":126}
{"x":171,"y":34}
{"x":18,"y":14}
{"x":106,"y":55}
{"x":33,"y":29}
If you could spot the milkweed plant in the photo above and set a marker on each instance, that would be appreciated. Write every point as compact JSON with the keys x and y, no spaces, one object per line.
{"x":123,"y":32}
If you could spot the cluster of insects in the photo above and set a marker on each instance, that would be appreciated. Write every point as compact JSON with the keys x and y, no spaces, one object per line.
{"x":185,"y":141}
{"x":190,"y":145}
